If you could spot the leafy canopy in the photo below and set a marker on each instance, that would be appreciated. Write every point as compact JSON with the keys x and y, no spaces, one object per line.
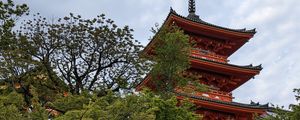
{"x":171,"y":60}
{"x":131,"y":107}
{"x":171,"y":51}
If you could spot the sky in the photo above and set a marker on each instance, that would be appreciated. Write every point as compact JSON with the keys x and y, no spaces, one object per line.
{"x":276,"y":45}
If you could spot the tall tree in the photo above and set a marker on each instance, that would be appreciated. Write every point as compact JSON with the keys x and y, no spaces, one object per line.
{"x":171,"y":59}
{"x":146,"y":106}
{"x":89,"y":54}
{"x":12,"y":60}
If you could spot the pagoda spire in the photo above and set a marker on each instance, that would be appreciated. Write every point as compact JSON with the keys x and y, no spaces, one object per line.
{"x":192,"y":10}
{"x":192,"y":6}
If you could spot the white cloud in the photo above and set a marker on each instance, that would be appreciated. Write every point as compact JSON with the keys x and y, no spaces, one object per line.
{"x":179,"y":5}
{"x":262,"y":15}
{"x":276,"y":46}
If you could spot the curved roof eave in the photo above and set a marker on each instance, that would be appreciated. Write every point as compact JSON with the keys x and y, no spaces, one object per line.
{"x":244,"y":30}
{"x":251,"y":106}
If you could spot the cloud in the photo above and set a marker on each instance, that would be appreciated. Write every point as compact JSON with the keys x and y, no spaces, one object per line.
{"x":276,"y":45}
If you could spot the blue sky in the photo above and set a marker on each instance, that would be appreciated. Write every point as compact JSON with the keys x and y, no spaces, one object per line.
{"x":276,"y":45}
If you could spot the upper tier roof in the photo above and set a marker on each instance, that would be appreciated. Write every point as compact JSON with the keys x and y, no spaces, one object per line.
{"x":194,"y":25}
{"x":245,"y":67}
{"x":252,"y":105}
{"x":195,"y":18}
{"x":241,"y":73}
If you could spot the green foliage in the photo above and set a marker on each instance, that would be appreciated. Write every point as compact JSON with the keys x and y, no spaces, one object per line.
{"x":145,"y":105}
{"x":171,"y":58}
{"x":10,"y":105}
{"x":12,"y":98}
{"x":72,"y":102}
{"x":70,"y":55}
{"x":131,"y":107}
{"x":277,"y":114}
{"x":88,"y":54}
{"x":10,"y":112}
{"x":9,"y":12}
{"x":9,"y":51}
{"x":297,"y":91}
{"x":13,"y":107}
{"x":45,"y":87}
{"x":38,"y":113}
{"x":169,"y":111}
{"x":295,"y":114}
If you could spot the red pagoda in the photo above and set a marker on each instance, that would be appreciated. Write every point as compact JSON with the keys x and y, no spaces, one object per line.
{"x":209,"y":62}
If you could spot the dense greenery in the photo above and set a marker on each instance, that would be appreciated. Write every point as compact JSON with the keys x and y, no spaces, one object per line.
{"x":145,"y":105}
{"x":71,"y":54}
{"x":171,"y":59}
{"x":12,"y":59}
{"x":76,"y":68}
{"x":131,"y":107}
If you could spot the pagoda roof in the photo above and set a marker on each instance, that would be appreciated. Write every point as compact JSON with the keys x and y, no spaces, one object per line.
{"x":239,"y":74}
{"x":225,"y":68}
{"x":246,"y":67}
{"x":197,"y":26}
{"x":200,"y":21}
{"x":252,"y":107}
{"x":244,"y":73}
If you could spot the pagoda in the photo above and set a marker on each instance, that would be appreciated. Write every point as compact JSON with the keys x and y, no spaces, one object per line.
{"x":210,"y":64}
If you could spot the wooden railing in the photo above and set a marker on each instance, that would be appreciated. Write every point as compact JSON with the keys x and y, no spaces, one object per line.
{"x":212,"y":94}
{"x":208,"y":55}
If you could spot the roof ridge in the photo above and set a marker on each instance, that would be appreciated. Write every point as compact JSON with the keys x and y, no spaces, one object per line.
{"x":255,"y":106}
{"x":196,"y":19}
{"x":259,"y":67}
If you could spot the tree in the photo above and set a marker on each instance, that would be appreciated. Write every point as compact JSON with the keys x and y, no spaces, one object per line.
{"x":131,"y":107}
{"x":171,"y":59}
{"x":88,"y":54}
{"x":93,"y":59}
{"x":73,"y":54}
{"x":14,"y":62}
{"x":13,"y":107}
{"x":9,"y":51}
{"x":10,"y":105}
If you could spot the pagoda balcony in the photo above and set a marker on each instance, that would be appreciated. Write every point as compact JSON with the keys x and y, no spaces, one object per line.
{"x":211,"y":93}
{"x":199,"y":53}
{"x":218,"y":95}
